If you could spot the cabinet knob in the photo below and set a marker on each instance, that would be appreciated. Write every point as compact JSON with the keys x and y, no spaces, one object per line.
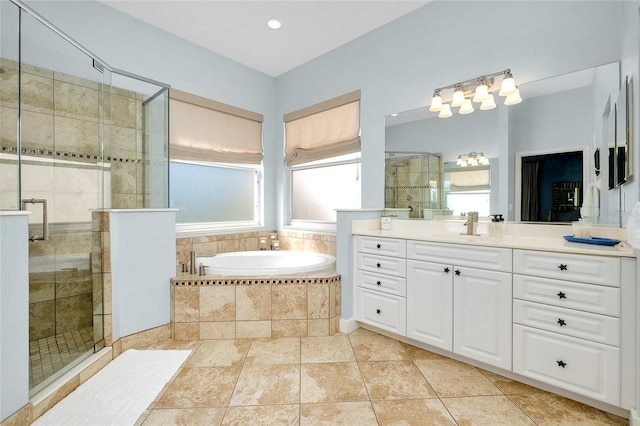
{"x":562,"y":267}
{"x":561,"y":295}
{"x":446,"y":269}
{"x":457,"y":272}
{"x":378,"y":311}
{"x":378,"y":245}
{"x":561,"y":322}
{"x":561,"y":363}
{"x":378,"y":282}
{"x":378,"y":265}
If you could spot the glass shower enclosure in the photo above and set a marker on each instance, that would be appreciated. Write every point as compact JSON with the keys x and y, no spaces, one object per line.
{"x":75,"y":136}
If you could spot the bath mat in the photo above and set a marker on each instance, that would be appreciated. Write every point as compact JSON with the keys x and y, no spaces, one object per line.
{"x":120,"y":392}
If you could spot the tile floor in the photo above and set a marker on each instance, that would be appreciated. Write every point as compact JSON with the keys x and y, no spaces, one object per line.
{"x":358,"y":379}
{"x":50,"y":354}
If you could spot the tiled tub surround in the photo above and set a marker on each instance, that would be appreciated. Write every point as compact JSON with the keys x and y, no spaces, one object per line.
{"x":245,"y":241}
{"x":214,"y":307}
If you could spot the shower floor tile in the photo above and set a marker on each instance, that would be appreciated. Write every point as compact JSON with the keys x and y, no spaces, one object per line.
{"x":50,"y":354}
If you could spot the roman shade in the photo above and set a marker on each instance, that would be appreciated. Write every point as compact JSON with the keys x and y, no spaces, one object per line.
{"x":201,"y":129}
{"x":469,"y":179}
{"x":324,"y":130}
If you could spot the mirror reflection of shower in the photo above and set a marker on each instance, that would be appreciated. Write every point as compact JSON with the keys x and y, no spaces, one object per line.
{"x":413,"y":184}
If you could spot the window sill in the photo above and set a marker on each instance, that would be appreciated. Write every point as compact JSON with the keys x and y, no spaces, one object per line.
{"x":203,"y":229}
{"x":319,"y":228}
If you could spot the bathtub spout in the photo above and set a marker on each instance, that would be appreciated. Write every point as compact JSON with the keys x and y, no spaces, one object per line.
{"x":193,"y":266}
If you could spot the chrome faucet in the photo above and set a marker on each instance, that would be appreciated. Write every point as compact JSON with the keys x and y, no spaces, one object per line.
{"x":472,"y":218}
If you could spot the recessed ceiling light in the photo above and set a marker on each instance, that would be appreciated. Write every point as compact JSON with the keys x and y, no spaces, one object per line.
{"x":274,"y":23}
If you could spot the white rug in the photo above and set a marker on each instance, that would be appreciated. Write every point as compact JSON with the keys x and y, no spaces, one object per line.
{"x":120,"y":392}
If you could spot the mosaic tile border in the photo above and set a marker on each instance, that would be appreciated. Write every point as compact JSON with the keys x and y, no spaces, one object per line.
{"x":254,"y":281}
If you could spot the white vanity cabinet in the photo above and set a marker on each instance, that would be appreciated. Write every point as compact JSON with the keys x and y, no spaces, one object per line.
{"x":459,"y":299}
{"x":567,"y":329}
{"x":381,"y":268}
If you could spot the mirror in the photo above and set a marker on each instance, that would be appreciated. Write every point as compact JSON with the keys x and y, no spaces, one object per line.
{"x":565,"y":114}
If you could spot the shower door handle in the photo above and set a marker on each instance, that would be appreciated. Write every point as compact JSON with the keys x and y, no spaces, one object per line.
{"x":45,"y":222}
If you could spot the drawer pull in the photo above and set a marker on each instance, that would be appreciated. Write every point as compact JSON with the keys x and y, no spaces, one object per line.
{"x":378,"y":265}
{"x":561,"y":322}
{"x":446,"y":269}
{"x":561,"y":363}
{"x":457,"y":272}
{"x":562,"y":267}
{"x":378,"y":282}
{"x":378,"y":245}
{"x":378,"y":311}
{"x":561,"y":295}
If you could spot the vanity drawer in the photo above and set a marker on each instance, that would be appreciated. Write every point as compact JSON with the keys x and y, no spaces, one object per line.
{"x":566,"y":294}
{"x":584,"y":325}
{"x":382,"y":246}
{"x":382,"y":264}
{"x":380,"y":282}
{"x":588,"y":368}
{"x":382,"y":310}
{"x":492,"y":258}
{"x":571,"y":267}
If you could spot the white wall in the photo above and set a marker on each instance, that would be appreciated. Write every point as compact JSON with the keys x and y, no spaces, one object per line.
{"x":143,"y":260}
{"x":14,"y":312}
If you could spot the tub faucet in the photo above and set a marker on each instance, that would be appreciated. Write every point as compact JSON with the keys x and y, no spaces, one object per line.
{"x":472,"y":218}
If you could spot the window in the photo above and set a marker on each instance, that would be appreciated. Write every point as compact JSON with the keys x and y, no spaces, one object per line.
{"x":467,"y":189}
{"x":318,"y":188}
{"x":215,"y":165}
{"x":322,"y":152}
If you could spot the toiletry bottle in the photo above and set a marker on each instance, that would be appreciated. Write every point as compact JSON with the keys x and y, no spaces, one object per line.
{"x":263,"y":243}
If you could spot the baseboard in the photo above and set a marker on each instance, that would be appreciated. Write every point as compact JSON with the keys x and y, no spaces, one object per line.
{"x":348,"y":325}
{"x":634,"y":418}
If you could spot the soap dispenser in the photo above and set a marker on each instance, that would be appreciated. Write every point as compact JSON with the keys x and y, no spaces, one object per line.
{"x":496,"y":227}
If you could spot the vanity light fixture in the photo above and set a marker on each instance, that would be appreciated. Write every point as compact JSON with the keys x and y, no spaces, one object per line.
{"x":481,"y":88}
{"x":445,"y":111}
{"x":458,"y":96}
{"x":472,"y":159}
{"x":467,"y":107}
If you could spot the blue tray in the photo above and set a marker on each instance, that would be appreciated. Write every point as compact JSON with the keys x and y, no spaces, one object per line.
{"x":593,"y":240}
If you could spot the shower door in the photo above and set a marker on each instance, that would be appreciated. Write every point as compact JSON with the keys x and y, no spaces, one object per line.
{"x":62,"y":105}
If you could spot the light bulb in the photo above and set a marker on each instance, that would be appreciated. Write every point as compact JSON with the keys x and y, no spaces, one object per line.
{"x":436,"y":102}
{"x":445,"y":112}
{"x":482,"y":93}
{"x":458,"y":97}
{"x":488,"y":103}
{"x":467,"y":107}
{"x":472,"y":161}
{"x":460,"y":161}
{"x":513,"y":98}
{"x":508,"y":85}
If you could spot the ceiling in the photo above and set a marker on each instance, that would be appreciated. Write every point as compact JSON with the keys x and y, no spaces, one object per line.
{"x":237,"y":29}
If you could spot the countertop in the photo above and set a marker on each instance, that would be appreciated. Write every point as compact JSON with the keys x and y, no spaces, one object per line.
{"x":519,"y":236}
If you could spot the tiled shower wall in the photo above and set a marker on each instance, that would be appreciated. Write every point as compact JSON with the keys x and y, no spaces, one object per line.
{"x":414,"y":181}
{"x":61,"y":120}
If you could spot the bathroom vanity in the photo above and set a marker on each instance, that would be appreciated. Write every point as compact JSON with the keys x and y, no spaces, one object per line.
{"x":529,"y":305}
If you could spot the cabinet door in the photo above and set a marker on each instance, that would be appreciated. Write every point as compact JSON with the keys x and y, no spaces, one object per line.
{"x":430,"y":303}
{"x":482,"y":315}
